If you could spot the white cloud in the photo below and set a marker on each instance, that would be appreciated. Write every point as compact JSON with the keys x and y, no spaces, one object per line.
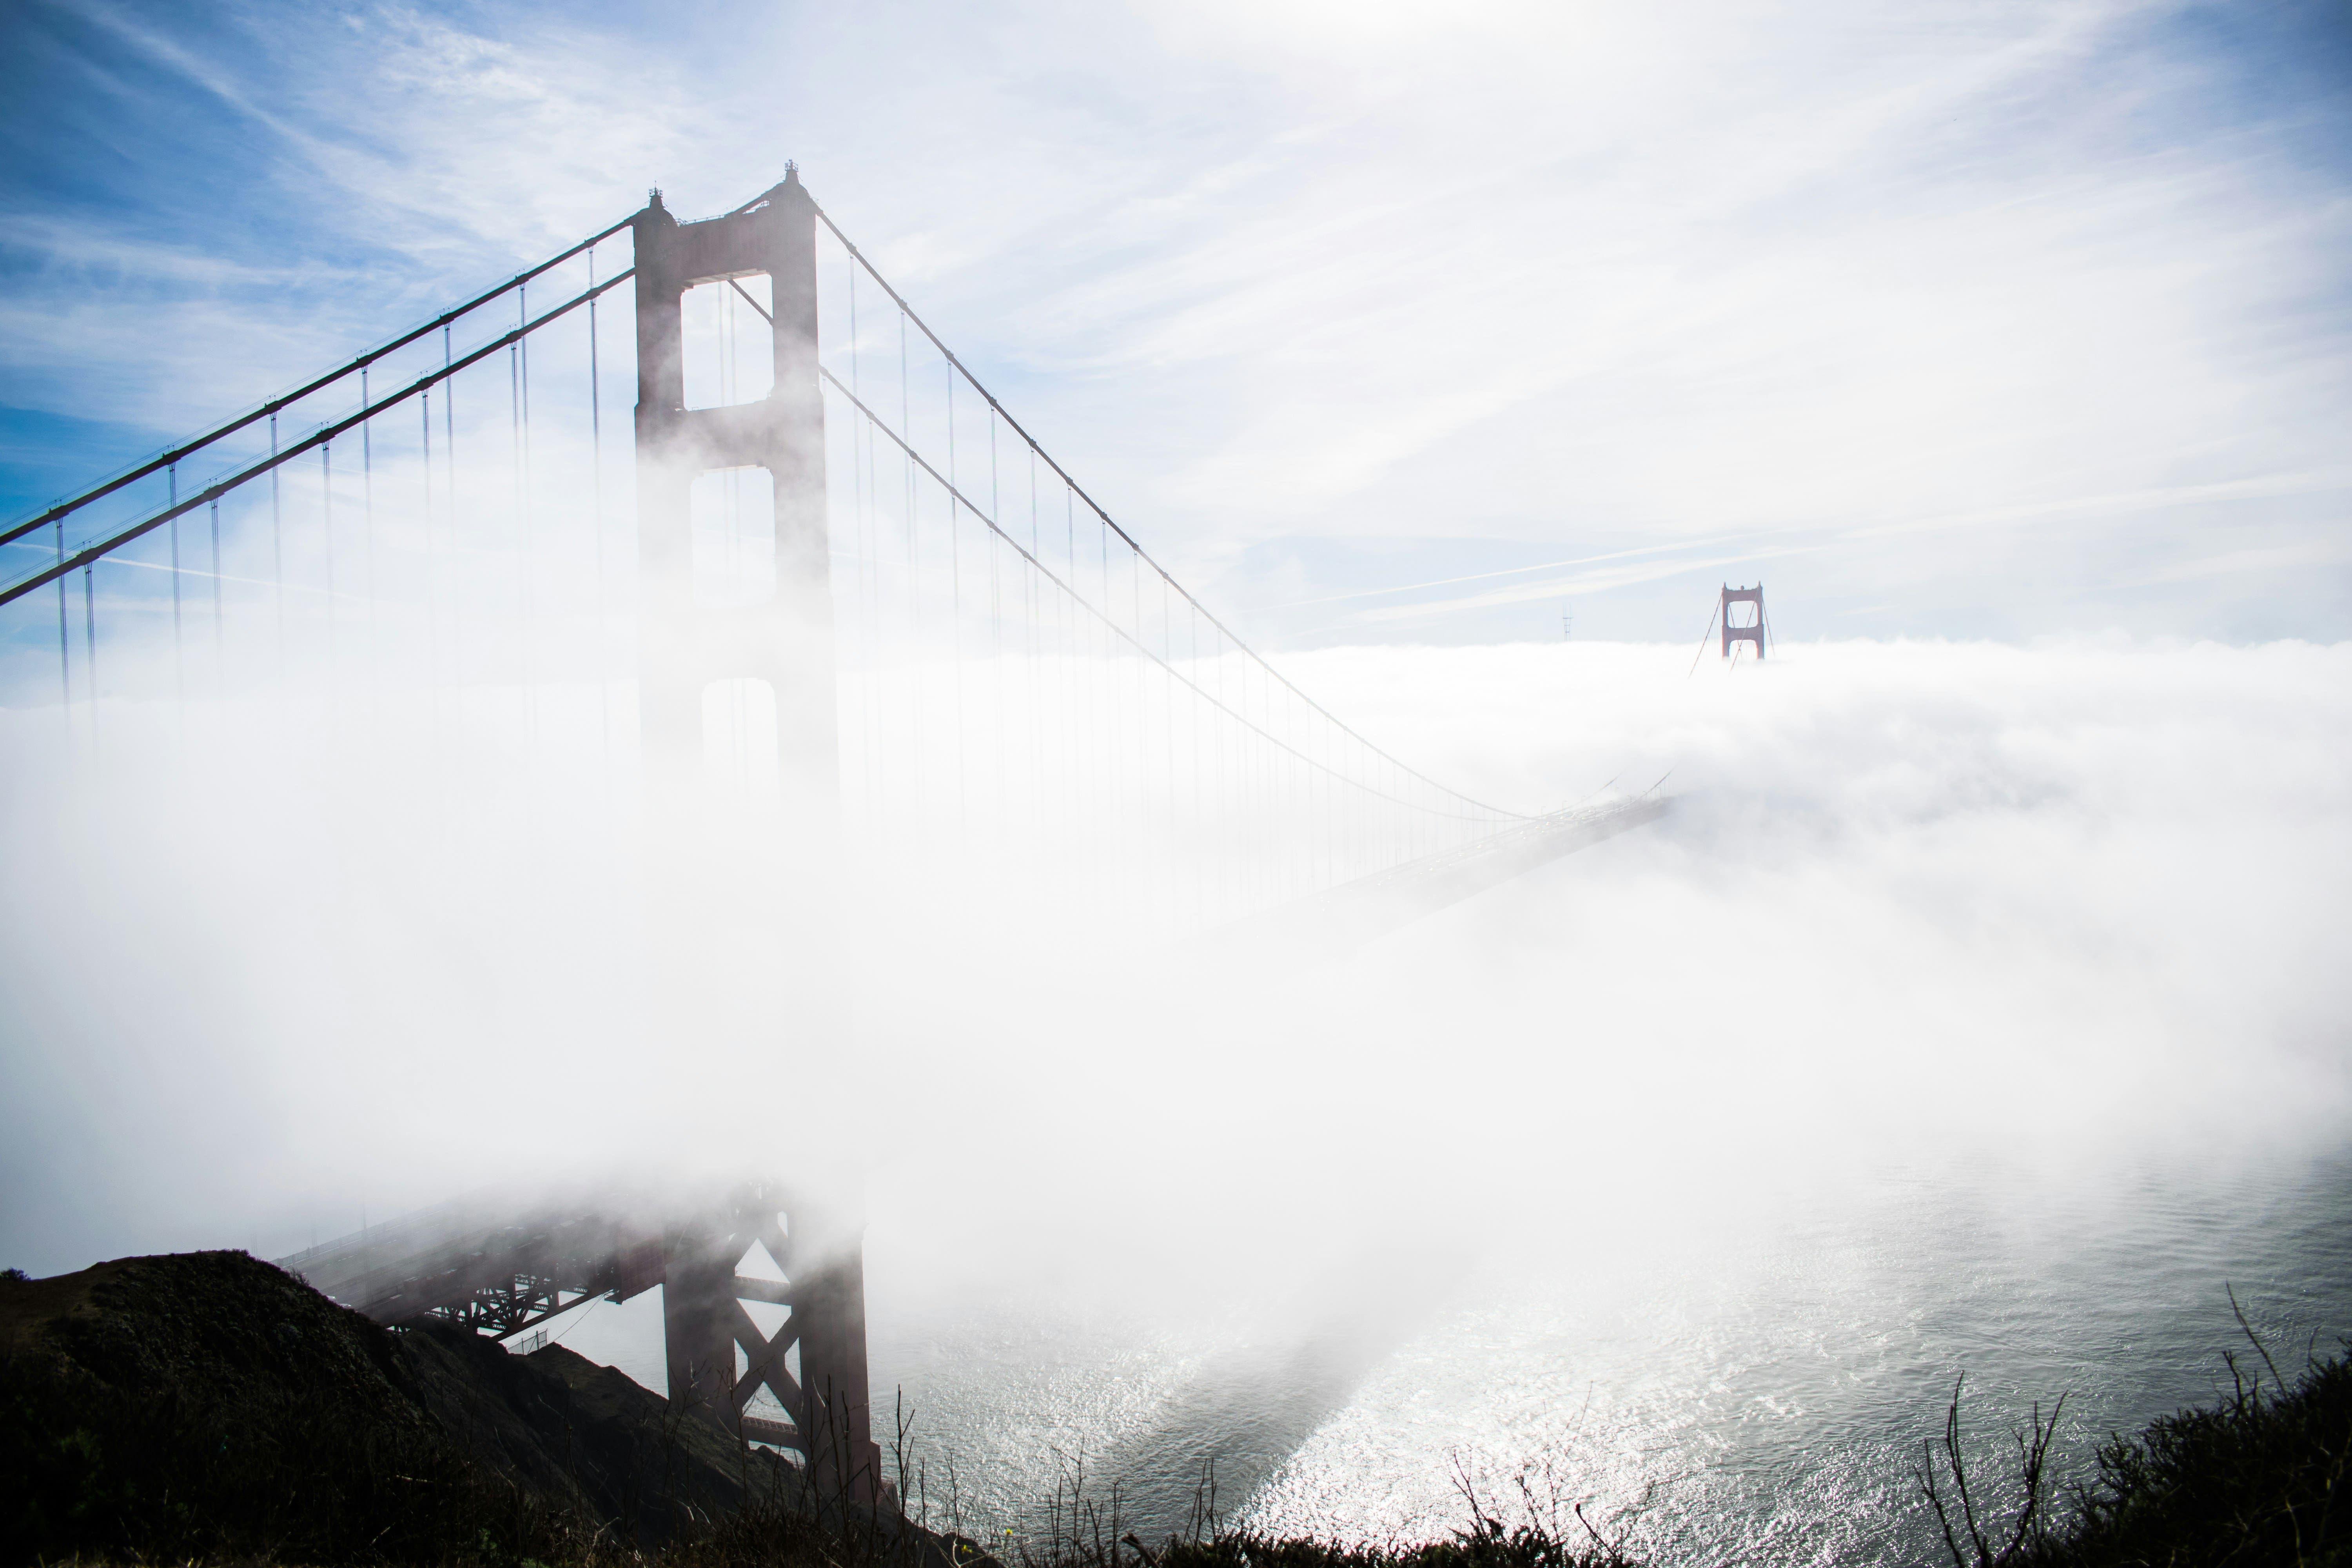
{"x":2099,"y":865}
{"x":1530,"y":273}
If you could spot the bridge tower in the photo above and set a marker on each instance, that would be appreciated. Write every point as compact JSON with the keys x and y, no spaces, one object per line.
{"x":1753,"y":631}
{"x":784,"y":640}
{"x":741,"y":883}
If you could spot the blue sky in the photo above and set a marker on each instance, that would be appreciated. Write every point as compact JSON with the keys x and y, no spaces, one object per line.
{"x":1381,"y":322}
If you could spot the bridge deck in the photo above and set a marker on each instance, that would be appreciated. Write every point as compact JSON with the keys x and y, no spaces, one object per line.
{"x":499,"y":1268}
{"x":1332,"y":922}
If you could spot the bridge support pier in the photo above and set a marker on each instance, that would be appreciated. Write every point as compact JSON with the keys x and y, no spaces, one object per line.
{"x":741,"y":874}
{"x":813,"y":1363}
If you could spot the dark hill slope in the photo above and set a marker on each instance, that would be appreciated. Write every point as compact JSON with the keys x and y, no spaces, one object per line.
{"x":208,"y":1401}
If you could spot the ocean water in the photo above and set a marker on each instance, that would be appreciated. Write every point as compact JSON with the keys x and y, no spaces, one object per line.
{"x":1759,"y":1390}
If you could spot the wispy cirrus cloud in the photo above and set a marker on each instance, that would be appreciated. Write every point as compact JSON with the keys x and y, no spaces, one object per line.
{"x":1560,"y":279}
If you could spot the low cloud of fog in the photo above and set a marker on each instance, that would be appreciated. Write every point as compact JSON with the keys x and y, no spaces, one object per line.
{"x":1939,"y":901}
{"x":2019,"y":925}
{"x":1915,"y":902}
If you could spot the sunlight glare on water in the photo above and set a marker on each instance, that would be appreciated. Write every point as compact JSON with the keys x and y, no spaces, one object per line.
{"x":1747,"y":1390}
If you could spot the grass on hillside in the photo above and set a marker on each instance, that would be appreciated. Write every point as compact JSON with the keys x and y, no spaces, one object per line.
{"x":2256,"y":1477}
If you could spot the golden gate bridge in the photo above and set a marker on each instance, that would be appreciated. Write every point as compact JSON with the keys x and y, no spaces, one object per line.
{"x":827,"y":604}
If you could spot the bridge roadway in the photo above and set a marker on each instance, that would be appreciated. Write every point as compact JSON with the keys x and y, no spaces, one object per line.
{"x":501,"y":1264}
{"x":1328,"y":924}
{"x":497,"y":1268}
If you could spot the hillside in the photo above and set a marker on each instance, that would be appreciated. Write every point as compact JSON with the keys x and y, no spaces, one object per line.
{"x":209,"y":1402}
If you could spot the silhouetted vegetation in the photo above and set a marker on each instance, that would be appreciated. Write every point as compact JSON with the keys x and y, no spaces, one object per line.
{"x":2258,"y":1476}
{"x":211,"y":1409}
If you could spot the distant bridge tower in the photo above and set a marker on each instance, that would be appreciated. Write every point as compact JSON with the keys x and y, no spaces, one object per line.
{"x":1750,"y":632}
{"x":742,"y":885}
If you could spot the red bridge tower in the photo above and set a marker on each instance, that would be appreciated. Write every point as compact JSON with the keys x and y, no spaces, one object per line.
{"x":1751,"y":631}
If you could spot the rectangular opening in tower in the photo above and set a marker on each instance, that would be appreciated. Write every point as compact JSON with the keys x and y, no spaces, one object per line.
{"x":733,"y":515}
{"x":728,"y":348}
{"x":739,"y":735}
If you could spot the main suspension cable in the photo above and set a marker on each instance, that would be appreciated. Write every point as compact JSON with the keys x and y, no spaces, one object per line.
{"x":1018,"y":429}
{"x":275,"y":405}
{"x":91,"y":554}
{"x":957,"y":498}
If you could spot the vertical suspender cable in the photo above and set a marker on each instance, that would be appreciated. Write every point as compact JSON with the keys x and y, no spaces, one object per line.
{"x":996,"y":518}
{"x":1066,"y":628}
{"x":858,"y":512}
{"x":449,"y":461}
{"x":179,"y":652}
{"x":1188,"y":869}
{"x":1318,"y":802}
{"x":220,"y":650}
{"x":955,"y":600}
{"x":1085,"y":674}
{"x":1271,"y":767}
{"x":996,"y":629}
{"x":432,"y":565}
{"x":1032,"y":606}
{"x":65,"y":654}
{"x":596,"y":513}
{"x":367,"y":520}
{"x":1142,"y":701}
{"x":1326,"y":813}
{"x":996,"y":619}
{"x":1257,"y":773}
{"x":529,"y":573}
{"x":1133,"y":693}
{"x":1218,"y":807}
{"x":1311,"y":789}
{"x":1355,"y":826}
{"x":1246,"y":814}
{"x":914,"y":645}
{"x":1252,"y":828}
{"x":90,"y":651}
{"x":1199,"y":817}
{"x":860,"y":464}
{"x":277,"y":550}
{"x":522,"y":518}
{"x":1282,"y":857}
{"x":1106,"y":710}
{"x":1704,"y":638}
{"x":1065,"y":664}
{"x":327,"y":521}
